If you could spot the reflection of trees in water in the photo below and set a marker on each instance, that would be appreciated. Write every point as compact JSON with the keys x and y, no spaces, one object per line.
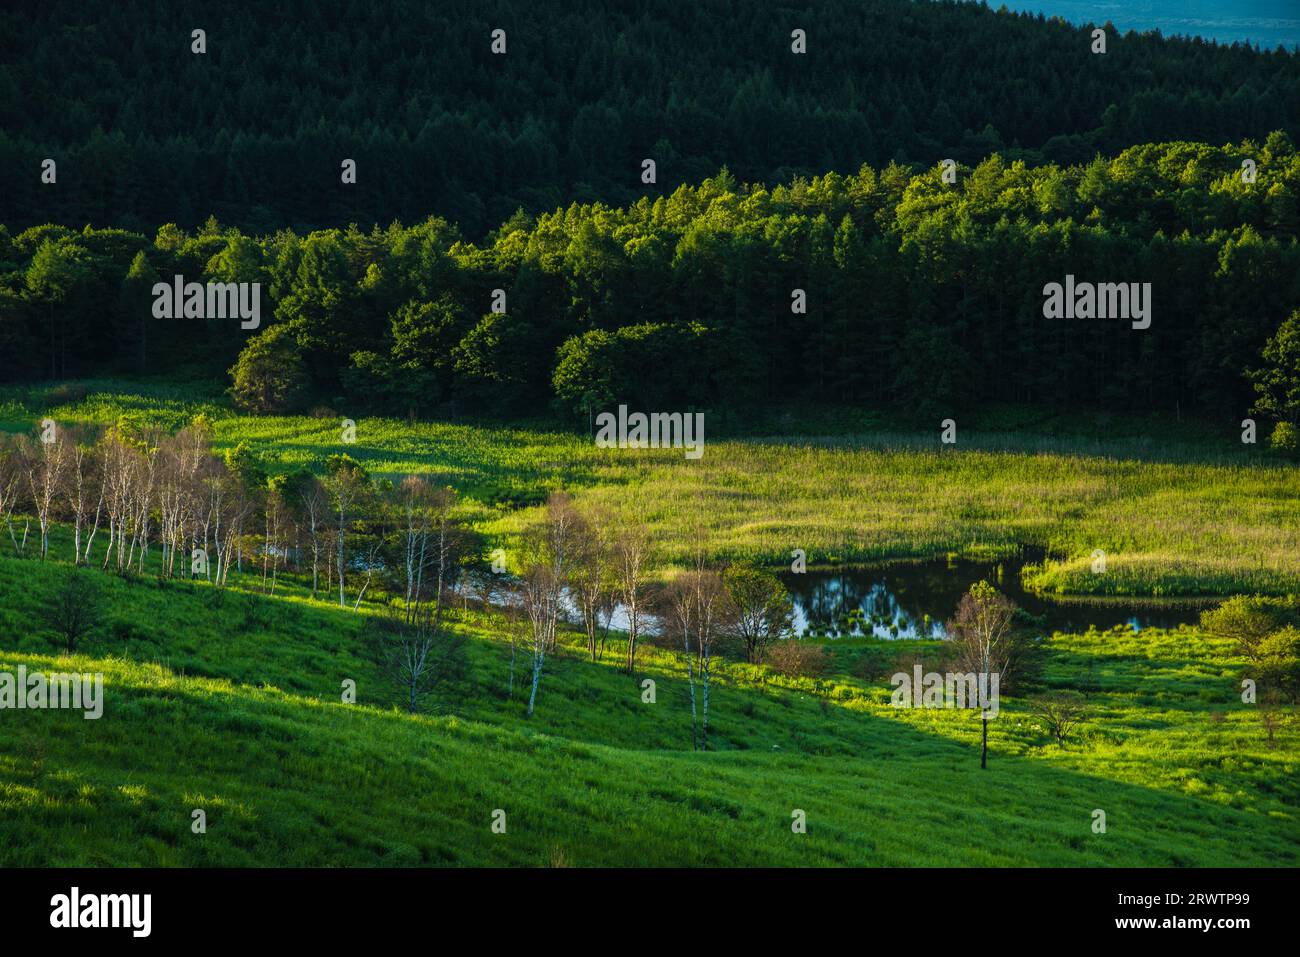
{"x":830,"y":603}
{"x":830,"y":600}
{"x":917,"y":599}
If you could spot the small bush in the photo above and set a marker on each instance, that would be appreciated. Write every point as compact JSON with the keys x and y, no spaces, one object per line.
{"x":69,"y":393}
{"x":797,"y":659}
{"x":1285,"y":439}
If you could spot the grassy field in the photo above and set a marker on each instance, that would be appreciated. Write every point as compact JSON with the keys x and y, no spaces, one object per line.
{"x":1173,"y":519}
{"x":230,"y":703}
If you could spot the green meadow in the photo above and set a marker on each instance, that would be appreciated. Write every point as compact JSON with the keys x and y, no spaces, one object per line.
{"x":228,"y":700}
{"x":1173,"y":519}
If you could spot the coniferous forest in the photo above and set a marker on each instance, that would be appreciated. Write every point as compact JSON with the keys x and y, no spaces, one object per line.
{"x":921,"y":296}
{"x":253,"y":131}
{"x":477,"y":171}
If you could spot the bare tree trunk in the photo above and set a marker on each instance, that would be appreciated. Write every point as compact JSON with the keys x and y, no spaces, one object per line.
{"x":704,"y":723}
{"x":690,"y":674}
{"x":342,"y":519}
{"x":537,"y":677}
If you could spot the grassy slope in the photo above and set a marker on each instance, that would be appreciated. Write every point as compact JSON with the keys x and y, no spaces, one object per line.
{"x":232,"y":708}
{"x":228,"y":702}
{"x":1172,"y":520}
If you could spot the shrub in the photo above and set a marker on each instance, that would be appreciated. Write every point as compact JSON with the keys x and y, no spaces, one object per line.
{"x":1285,"y":439}
{"x":1278,"y":664}
{"x":797,"y":659}
{"x":68,"y":393}
{"x":1248,"y":620}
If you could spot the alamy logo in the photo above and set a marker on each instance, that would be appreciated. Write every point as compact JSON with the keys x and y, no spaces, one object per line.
{"x":1106,"y":300}
{"x":217,"y":300}
{"x":951,"y":690}
{"x":657,"y":430}
{"x":37,"y":691}
{"x":103,"y":910}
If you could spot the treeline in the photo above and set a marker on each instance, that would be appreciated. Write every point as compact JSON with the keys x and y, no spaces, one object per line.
{"x":891,"y":288}
{"x":147,"y":501}
{"x":145,"y":131}
{"x":168,"y":503}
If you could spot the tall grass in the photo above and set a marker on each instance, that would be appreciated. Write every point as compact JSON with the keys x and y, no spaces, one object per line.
{"x":1168,"y":522}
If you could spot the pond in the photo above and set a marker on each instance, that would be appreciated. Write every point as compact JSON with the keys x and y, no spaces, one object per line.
{"x":915,"y":599}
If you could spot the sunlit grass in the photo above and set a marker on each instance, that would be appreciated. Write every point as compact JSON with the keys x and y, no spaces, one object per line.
{"x":1168,"y":523}
{"x":210,"y":705}
{"x":229,"y":700}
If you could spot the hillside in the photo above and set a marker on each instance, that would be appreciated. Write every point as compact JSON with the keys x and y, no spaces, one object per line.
{"x":228,"y":699}
{"x":254,"y":129}
{"x":205,"y":710}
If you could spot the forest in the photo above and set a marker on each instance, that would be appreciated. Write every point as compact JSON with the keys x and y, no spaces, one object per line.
{"x":889,"y":288}
{"x":253,"y":130}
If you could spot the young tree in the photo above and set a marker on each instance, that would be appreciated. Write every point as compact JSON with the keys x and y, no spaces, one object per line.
{"x":13,"y":472}
{"x":274,"y":545}
{"x":714,"y":611}
{"x":420,"y":651}
{"x":44,"y":462}
{"x":432,"y":539}
{"x":306,"y":495}
{"x":75,"y":609}
{"x":591,"y":578}
{"x":982,"y":634}
{"x":516,"y":625}
{"x":679,"y":617}
{"x":547,"y":549}
{"x":633,"y":558}
{"x":1058,"y":714}
{"x":373,"y":534}
{"x":1272,"y":715}
{"x":696,"y":608}
{"x":80,"y":479}
{"x":119,"y":458}
{"x":348,"y":484}
{"x":764,"y":609}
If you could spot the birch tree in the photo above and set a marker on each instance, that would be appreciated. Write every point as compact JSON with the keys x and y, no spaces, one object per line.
{"x":984,"y":640}
{"x":548,"y":548}
{"x":12,"y":483}
{"x":78,"y":487}
{"x":633,"y":557}
{"x":592,"y":577}
{"x":420,"y":651}
{"x":347,"y":482}
{"x":44,"y":463}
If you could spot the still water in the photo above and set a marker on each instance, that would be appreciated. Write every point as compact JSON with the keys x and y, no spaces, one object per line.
{"x":914,"y":599}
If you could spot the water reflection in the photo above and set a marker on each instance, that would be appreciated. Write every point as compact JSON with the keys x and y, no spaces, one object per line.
{"x":915,"y":599}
